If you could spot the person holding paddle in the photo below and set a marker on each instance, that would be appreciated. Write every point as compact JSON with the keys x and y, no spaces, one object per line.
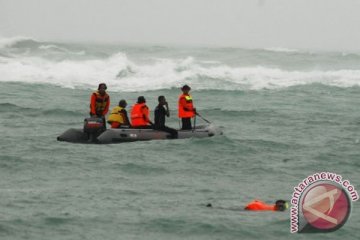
{"x":186,"y":109}
{"x":99,"y":103}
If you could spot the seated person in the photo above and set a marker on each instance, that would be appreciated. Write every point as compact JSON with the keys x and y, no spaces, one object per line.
{"x":140,"y":114}
{"x":118,"y":116}
{"x":160,"y":113}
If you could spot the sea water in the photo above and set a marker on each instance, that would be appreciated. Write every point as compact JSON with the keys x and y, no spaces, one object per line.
{"x":285,"y":114}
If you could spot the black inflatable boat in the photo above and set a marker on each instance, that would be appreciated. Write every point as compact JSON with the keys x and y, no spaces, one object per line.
{"x":94,"y":132}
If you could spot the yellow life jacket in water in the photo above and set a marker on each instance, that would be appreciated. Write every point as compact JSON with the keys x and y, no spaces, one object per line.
{"x":116,"y":115}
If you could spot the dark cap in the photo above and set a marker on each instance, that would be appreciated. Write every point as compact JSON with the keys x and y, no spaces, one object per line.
{"x":186,"y":87}
{"x":281,"y":205}
{"x":141,"y":99}
{"x":161,"y":98}
{"x":122,"y":103}
{"x":102,"y":84}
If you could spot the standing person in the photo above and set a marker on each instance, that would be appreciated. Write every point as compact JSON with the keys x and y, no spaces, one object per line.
{"x":160,"y":113}
{"x":140,"y":114}
{"x":100,"y":102}
{"x":118,"y":116}
{"x":186,"y":108}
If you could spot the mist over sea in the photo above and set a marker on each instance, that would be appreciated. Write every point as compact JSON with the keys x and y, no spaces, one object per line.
{"x":285,"y":114}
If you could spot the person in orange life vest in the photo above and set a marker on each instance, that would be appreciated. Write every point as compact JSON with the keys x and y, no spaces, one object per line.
{"x":257,"y":205}
{"x":99,"y":102}
{"x":186,"y":109}
{"x":118,"y":116}
{"x":140,"y":114}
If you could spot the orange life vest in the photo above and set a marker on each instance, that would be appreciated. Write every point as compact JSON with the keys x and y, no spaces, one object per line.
{"x":185,"y":106}
{"x":140,"y":115}
{"x":258,"y":205}
{"x":99,"y":105}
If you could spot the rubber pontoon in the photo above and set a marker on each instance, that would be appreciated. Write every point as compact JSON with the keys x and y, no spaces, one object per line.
{"x":120,"y":135}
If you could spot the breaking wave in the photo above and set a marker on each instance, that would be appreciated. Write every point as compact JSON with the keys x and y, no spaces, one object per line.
{"x":20,"y":62}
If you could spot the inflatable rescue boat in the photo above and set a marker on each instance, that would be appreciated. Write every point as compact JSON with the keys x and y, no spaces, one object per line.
{"x":94,"y":132}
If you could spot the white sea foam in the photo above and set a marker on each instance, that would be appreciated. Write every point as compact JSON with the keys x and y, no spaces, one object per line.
{"x":121,"y":74}
{"x":281,"y":49}
{"x":55,"y":48}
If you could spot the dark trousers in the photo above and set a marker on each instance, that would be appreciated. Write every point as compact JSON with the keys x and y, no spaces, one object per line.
{"x":186,"y":124}
{"x":173,"y":132}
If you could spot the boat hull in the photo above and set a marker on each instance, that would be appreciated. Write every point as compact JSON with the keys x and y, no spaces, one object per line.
{"x":119,"y":135}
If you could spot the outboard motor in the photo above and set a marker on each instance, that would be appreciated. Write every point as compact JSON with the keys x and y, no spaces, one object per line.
{"x":93,"y":127}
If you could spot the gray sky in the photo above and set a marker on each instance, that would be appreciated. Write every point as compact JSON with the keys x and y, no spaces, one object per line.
{"x":309,"y":24}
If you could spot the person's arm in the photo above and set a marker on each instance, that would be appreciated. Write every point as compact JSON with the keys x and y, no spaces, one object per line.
{"x":167,"y":112}
{"x":106,"y":107}
{"x":92,"y":104}
{"x":127,"y":121}
{"x":156,"y":115}
{"x":182,"y":104}
{"x":145,"y":111}
{"x":185,"y":106}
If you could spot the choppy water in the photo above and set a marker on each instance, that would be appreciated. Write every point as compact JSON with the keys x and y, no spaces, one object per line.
{"x":285,"y":114}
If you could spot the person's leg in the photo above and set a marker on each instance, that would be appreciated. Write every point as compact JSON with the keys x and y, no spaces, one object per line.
{"x":186,"y":124}
{"x":104,"y":121}
{"x":172,"y":131}
{"x":115,"y":125}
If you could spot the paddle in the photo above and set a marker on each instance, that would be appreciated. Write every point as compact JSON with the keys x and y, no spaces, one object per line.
{"x":194,"y":123}
{"x":203,"y":118}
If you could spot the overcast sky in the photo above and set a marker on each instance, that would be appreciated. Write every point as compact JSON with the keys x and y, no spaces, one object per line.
{"x":311,"y":24}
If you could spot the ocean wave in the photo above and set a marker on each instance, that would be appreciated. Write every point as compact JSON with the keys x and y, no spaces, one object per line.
{"x":19,"y":110}
{"x":195,"y":226}
{"x":280,"y":49}
{"x":60,"y":112}
{"x":122,"y":74}
{"x":58,"y":49}
{"x":21,"y":46}
{"x":10,"y":107}
{"x":17,"y":41}
{"x":137,"y":169}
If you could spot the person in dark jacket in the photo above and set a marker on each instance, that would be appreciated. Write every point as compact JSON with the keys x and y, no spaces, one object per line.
{"x":161,"y":112}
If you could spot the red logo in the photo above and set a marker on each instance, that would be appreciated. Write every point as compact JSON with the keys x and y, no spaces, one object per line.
{"x":326,"y":207}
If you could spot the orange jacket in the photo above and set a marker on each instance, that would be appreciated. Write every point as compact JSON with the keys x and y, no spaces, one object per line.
{"x":140,"y":115}
{"x":185,"y":106}
{"x":258,"y":205}
{"x":99,"y":105}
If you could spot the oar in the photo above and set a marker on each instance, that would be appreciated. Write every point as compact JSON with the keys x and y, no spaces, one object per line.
{"x":194,"y":123}
{"x":203,"y":118}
